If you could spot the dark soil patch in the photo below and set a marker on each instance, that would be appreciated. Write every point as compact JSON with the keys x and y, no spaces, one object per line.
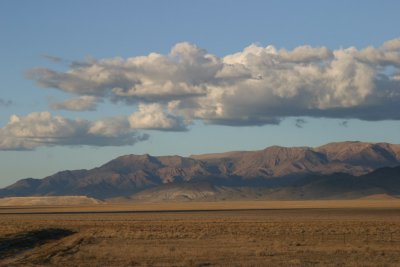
{"x":12,"y":245}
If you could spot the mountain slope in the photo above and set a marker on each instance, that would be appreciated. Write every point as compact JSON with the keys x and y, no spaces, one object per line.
{"x":223,"y":173}
{"x":383,"y":181}
{"x":122,"y":176}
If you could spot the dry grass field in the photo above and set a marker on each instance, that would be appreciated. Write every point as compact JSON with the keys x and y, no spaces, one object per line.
{"x":308,"y":233}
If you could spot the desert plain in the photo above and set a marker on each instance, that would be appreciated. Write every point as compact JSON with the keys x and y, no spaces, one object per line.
{"x":236,"y":233}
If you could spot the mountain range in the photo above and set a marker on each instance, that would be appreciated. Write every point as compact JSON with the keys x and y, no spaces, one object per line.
{"x":335,"y":170}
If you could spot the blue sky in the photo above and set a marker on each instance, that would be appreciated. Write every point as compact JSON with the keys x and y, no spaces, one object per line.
{"x":43,"y":42}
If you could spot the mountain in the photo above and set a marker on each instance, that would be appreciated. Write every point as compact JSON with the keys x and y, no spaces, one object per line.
{"x":348,"y":157}
{"x":274,"y":172}
{"x":122,"y":176}
{"x":383,"y":182}
{"x":341,"y":186}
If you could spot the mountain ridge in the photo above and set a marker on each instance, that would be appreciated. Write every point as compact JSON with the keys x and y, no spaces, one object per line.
{"x":272,"y":167}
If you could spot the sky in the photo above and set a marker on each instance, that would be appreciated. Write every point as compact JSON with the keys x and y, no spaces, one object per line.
{"x":82,"y":82}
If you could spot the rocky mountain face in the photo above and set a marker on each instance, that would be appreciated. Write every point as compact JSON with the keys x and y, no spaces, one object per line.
{"x":256,"y":172}
{"x":383,"y":181}
{"x":349,"y":157}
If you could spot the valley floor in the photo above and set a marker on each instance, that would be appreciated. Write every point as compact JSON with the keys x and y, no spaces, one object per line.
{"x":361,"y":233}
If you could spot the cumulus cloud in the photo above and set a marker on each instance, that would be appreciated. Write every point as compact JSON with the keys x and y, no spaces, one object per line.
{"x":80,"y":103}
{"x":182,"y":73}
{"x":256,"y":86}
{"x":153,"y":117}
{"x":5,"y":103}
{"x":43,"y":129}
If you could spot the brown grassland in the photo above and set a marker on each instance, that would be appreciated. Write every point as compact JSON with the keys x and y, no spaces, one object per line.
{"x":252,"y":233}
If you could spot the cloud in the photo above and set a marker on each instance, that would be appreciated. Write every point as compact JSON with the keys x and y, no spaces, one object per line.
{"x":42,"y":129}
{"x":392,"y":45}
{"x":77,"y":104}
{"x":5,"y":103}
{"x":182,"y":73}
{"x":305,"y":54}
{"x":256,"y":86}
{"x":153,"y":117}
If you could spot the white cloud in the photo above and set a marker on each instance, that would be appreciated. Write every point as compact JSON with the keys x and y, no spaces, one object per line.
{"x":306,"y":54}
{"x":154,"y":117}
{"x":256,"y":86}
{"x":182,"y":73}
{"x":392,"y":45}
{"x":42,"y":129}
{"x":77,"y":104}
